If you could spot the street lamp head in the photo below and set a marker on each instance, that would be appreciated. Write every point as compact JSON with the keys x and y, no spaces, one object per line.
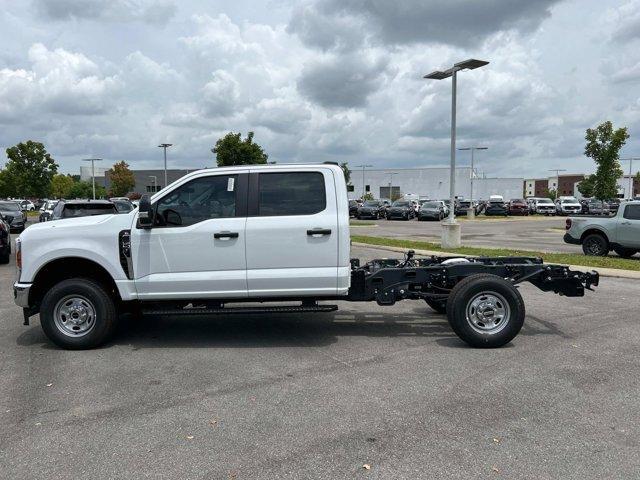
{"x":470,"y":64}
{"x":438,"y":75}
{"x":165,"y":145}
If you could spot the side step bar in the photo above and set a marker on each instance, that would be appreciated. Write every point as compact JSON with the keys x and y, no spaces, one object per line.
{"x":241,"y":310}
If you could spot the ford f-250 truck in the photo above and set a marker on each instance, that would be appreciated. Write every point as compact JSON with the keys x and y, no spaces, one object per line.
{"x":599,"y":235}
{"x":219,"y":238}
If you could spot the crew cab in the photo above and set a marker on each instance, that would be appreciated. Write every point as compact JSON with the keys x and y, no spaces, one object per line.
{"x":219,"y":238}
{"x":599,"y":235}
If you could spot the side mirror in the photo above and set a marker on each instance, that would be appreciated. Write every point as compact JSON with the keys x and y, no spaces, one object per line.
{"x":145,"y":215}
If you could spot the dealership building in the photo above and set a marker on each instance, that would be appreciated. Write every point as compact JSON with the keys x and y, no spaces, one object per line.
{"x":429,"y":182}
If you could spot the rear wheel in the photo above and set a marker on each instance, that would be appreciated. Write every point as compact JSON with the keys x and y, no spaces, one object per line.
{"x":625,"y":252}
{"x":485,"y":310}
{"x":439,"y":306}
{"x":595,"y":245}
{"x":77,"y":314}
{"x":5,"y":256}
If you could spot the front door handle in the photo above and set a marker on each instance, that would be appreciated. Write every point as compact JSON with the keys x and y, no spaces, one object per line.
{"x":225,"y":235}
{"x":319,"y":231}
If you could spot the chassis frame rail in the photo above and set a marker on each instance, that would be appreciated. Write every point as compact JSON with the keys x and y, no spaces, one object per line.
{"x":389,"y":280}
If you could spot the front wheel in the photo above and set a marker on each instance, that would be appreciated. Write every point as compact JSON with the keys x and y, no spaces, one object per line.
{"x":485,"y":310}
{"x":78,"y":314}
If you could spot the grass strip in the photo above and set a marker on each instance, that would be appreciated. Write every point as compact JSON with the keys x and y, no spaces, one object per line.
{"x":562,"y":258}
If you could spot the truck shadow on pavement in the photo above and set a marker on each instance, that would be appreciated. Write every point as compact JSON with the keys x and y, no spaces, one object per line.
{"x":282,"y":330}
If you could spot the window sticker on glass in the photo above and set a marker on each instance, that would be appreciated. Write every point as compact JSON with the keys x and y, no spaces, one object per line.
{"x":230,"y":184}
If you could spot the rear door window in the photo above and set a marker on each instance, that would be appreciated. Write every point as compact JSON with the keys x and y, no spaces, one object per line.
{"x":291,"y":193}
{"x":632,"y":212}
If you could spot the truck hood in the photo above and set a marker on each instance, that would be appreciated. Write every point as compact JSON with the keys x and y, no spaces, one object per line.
{"x":116,"y":222}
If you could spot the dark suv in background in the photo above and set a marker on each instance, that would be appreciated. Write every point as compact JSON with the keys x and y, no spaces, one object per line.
{"x":82,"y":208}
{"x":12,"y":215}
{"x":372,"y":209}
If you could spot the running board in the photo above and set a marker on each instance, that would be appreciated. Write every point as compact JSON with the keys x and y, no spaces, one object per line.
{"x":241,"y":310}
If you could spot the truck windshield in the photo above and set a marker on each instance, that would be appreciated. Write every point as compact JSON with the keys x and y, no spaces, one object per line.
{"x":400,"y":204}
{"x":430,"y":205}
{"x":371,"y":204}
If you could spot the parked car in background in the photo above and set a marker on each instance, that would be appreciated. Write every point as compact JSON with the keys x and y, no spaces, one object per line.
{"x":496,"y":206}
{"x":5,"y":241}
{"x":431,"y":210}
{"x":46,"y":210}
{"x":568,"y":206}
{"x":25,"y":205}
{"x":372,"y":209}
{"x":599,"y":235}
{"x":12,"y":215}
{"x":597,"y":207}
{"x":82,"y":208}
{"x":353,"y":208}
{"x":122,"y":205}
{"x":544,"y":206}
{"x":518,"y":206}
{"x":401,"y":209}
{"x":613,"y":205}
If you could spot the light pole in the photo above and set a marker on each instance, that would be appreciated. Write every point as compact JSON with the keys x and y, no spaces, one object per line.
{"x":93,"y":173}
{"x":471,"y":212}
{"x":451,"y":229}
{"x":155,"y":183}
{"x":391,"y":185}
{"x":363,"y":167}
{"x":557,"y":170}
{"x":630,"y":160}
{"x":165,"y":146}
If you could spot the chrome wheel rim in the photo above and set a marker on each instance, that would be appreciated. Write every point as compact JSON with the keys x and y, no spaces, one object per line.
{"x":74,"y":316}
{"x":488,"y":312}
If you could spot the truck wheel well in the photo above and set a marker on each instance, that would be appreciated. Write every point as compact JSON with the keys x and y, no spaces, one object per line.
{"x":69,"y":267}
{"x":593,"y":231}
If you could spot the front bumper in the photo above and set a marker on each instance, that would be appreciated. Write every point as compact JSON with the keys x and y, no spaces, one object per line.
{"x":21,"y":294}
{"x":569,"y":239}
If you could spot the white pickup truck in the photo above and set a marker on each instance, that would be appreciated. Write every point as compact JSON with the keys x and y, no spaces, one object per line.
{"x":227,"y":240}
{"x":598,"y":235}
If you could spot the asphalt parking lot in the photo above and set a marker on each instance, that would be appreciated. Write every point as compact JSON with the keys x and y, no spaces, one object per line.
{"x":319,"y":396}
{"x":526,"y":233}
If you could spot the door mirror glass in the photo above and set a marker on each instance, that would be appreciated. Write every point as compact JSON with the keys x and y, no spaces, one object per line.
{"x":145,"y":217}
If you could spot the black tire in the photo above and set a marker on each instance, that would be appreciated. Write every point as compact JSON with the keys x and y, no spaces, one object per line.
{"x":625,"y":252}
{"x":595,"y":245}
{"x":5,"y":256}
{"x":439,"y":306}
{"x":479,"y":288}
{"x":104,"y":322}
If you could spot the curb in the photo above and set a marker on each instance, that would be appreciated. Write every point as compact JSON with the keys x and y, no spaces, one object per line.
{"x":604,"y":272}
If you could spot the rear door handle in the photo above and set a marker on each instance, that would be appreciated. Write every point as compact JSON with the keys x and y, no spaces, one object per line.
{"x":319,"y":231}
{"x":225,"y":235}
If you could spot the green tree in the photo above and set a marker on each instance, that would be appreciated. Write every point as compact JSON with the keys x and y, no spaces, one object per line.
{"x":85,"y":190}
{"x":367,"y":196}
{"x":603,"y":145}
{"x":347,"y":173}
{"x":232,"y":150}
{"x":551,"y":193}
{"x":30,"y":169}
{"x":7,"y":187}
{"x":61,"y":185}
{"x":586,"y":186}
{"x":122,"y":179}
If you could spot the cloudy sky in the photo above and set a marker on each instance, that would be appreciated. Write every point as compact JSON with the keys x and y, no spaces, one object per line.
{"x":318,"y":80}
